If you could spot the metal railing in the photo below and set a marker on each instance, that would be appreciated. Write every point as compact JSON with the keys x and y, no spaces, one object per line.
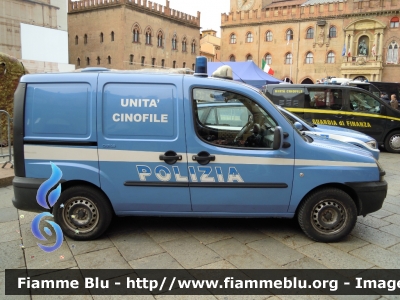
{"x":5,"y":139}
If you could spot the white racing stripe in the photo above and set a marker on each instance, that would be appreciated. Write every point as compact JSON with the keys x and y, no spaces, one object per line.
{"x":249,"y":160}
{"x":133,"y":156}
{"x":332,"y":163}
{"x":59,"y":153}
{"x":81,"y":154}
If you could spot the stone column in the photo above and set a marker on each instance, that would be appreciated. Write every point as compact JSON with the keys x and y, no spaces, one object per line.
{"x":376,"y":45}
{"x":351,"y":47}
{"x":380,"y":45}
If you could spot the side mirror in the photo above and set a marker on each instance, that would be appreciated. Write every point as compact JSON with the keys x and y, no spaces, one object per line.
{"x":298,"y":125}
{"x":278,"y":138}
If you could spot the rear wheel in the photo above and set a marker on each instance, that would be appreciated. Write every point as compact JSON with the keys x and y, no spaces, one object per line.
{"x":327,"y":215}
{"x":83,"y":212}
{"x":392,"y":142}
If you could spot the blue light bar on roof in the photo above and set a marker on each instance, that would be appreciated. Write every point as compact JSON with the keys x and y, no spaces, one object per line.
{"x":201,"y":66}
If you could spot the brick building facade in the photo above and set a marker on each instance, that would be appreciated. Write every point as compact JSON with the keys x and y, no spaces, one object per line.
{"x":306,"y":40}
{"x":131,"y":35}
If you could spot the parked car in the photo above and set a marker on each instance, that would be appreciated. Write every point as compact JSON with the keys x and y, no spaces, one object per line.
{"x":356,"y":138}
{"x":341,"y":106}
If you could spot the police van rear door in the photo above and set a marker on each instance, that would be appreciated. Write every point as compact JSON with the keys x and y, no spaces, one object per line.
{"x":141,"y":134}
{"x":232,"y":166}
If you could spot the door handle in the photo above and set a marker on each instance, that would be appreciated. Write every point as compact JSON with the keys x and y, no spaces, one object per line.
{"x":170,"y":157}
{"x":203,"y":157}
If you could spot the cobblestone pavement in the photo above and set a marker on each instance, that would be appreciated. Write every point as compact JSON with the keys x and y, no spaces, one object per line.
{"x":138,"y":242}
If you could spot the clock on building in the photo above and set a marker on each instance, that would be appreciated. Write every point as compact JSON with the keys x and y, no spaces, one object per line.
{"x":245,"y":4}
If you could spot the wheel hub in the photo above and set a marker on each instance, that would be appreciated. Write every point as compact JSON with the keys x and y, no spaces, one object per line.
{"x":395,"y":142}
{"x":328,"y":216}
{"x":80,"y":214}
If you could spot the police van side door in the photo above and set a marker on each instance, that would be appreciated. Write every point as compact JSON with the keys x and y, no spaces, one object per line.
{"x":141,"y":142}
{"x":233,"y":171}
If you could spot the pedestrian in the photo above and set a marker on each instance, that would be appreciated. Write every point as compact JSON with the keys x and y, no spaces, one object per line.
{"x":385,"y":98}
{"x":393,"y":101}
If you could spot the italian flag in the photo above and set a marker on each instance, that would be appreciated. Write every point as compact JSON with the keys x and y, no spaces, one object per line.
{"x":266,"y":68}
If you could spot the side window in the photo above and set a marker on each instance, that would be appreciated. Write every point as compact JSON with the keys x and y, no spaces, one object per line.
{"x":326,"y":98}
{"x":362,"y":102}
{"x":288,"y":97}
{"x":231,"y":120}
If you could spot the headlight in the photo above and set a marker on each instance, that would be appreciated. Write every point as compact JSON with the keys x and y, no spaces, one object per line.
{"x":372,"y":144}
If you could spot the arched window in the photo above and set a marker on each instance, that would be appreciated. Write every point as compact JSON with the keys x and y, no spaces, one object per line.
{"x":232,"y":39}
{"x":153,"y":62}
{"x":249,"y":37}
{"x":162,"y":63}
{"x":142,"y":60}
{"x":131,"y":59}
{"x":85,"y":39}
{"x":331,"y":57}
{"x":76,"y":40}
{"x":101,"y":37}
{"x":87,"y":61}
{"x":174,"y":46}
{"x":98,"y":60}
{"x":78,"y":62}
{"x":160,"y":39}
{"x":268,"y":59}
{"x":193,"y":46}
{"x":310,"y":33}
{"x":249,"y":57}
{"x":174,"y":64}
{"x":112,"y":36}
{"x":289,"y":34}
{"x":392,"y":53}
{"x":394,"y":22}
{"x":184,"y":65}
{"x":288,"y":58}
{"x":309,"y":58}
{"x":109,"y":59}
{"x":268,"y":36}
{"x":135,"y":35}
{"x":332,"y":32}
{"x":184,"y":45}
{"x":232,"y":58}
{"x":148,"y":36}
{"x":193,"y":66}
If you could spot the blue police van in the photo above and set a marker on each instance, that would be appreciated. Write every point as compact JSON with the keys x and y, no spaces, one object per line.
{"x":135,"y":144}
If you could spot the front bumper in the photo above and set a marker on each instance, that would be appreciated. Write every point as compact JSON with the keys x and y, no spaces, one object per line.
{"x":25,"y":190}
{"x":370,"y":195}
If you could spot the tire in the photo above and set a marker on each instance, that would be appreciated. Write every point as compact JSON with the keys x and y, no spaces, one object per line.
{"x":327,"y":215}
{"x":392,"y":142}
{"x":83,"y":212}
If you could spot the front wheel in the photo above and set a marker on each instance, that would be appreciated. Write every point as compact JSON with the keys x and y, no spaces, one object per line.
{"x":82,"y":212}
{"x":327,"y":215}
{"x":392,"y":142}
